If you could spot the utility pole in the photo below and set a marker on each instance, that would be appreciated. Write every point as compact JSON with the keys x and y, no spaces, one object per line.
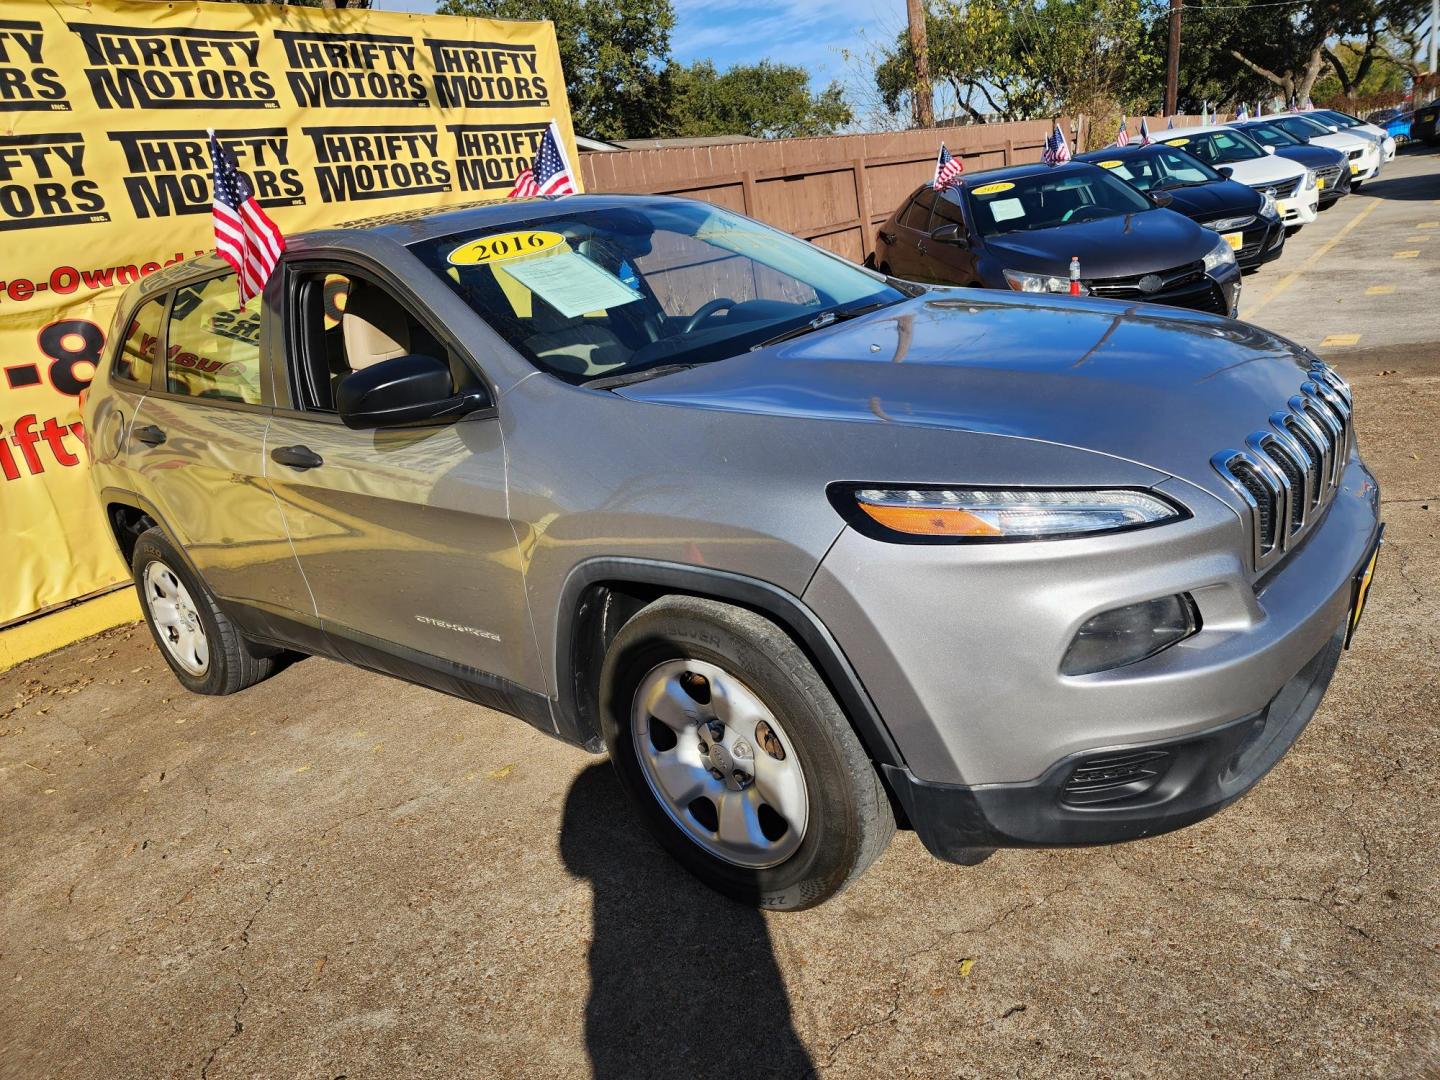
{"x":924,"y":110}
{"x":1172,"y":68}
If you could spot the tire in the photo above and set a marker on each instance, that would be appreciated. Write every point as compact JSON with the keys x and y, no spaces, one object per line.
{"x":818,"y":841}
{"x":177,"y":607}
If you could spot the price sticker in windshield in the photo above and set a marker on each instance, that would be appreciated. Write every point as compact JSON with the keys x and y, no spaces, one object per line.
{"x":512,"y":245}
{"x":1176,"y":142}
{"x":992,"y":189}
{"x":1109,"y":164}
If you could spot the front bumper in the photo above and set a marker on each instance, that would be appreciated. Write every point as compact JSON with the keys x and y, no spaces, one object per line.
{"x":1301,"y":208}
{"x":1264,"y":241}
{"x":1189,"y":779}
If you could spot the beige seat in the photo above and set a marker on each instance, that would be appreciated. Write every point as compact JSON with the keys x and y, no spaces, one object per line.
{"x":580,"y":346}
{"x":374,"y":327}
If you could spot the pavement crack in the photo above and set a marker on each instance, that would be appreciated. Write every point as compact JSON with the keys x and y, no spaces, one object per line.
{"x":238,"y":1024}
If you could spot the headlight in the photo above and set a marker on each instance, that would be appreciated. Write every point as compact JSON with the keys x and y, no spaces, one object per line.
{"x":984,"y":514}
{"x":1129,"y":634}
{"x":1222,"y":254}
{"x":1309,"y":179}
{"x":1022,"y":282}
{"x":1268,"y":206}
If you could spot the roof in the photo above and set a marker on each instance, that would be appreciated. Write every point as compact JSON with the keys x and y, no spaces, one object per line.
{"x":1122,"y":151}
{"x":413,"y":226}
{"x":1012,"y":172}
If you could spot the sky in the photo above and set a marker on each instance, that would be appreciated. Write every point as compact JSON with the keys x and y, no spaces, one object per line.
{"x":733,"y":32}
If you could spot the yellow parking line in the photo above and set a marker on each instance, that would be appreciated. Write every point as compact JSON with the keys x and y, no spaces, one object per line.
{"x":1412,"y":254}
{"x":1380,"y":290}
{"x":1428,"y":225}
{"x":1340,"y":339}
{"x":1289,"y":279}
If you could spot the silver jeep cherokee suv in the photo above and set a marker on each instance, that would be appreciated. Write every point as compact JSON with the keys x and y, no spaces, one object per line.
{"x":807,"y":550}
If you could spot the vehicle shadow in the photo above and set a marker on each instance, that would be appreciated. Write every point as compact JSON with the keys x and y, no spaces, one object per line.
{"x":1415,"y":188}
{"x":683,"y":982}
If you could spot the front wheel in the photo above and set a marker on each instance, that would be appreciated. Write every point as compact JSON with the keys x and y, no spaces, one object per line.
{"x":738,"y":756}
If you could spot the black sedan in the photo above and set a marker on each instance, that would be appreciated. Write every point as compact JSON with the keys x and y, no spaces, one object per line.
{"x":1018,"y":228}
{"x":1332,"y":174}
{"x":1246,"y":219}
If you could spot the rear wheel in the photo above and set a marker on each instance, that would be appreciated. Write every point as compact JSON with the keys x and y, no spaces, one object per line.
{"x":203,"y":648}
{"x":737,"y":755}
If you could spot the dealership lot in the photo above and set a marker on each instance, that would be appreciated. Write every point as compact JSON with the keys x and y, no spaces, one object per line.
{"x":337,"y":874}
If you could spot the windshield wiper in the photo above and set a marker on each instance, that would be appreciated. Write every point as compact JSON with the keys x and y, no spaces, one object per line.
{"x":819,"y":322}
{"x":624,"y":378}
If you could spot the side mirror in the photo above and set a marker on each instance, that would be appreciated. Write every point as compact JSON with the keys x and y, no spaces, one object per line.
{"x":403,"y":392}
{"x":1226,"y":171}
{"x":950,"y":234}
{"x":1161,"y":198}
{"x":1270,"y":150}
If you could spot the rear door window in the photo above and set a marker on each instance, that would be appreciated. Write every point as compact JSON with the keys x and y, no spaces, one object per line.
{"x":212,"y":348}
{"x":136,"y":359}
{"x":918,"y":215}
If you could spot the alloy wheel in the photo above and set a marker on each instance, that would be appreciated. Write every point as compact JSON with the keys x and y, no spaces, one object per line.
{"x":177,"y":623}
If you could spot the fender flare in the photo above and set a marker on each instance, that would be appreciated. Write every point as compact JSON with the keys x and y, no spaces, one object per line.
{"x":574,"y":672}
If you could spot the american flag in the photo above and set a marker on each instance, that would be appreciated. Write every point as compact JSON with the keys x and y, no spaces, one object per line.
{"x":549,"y":172}
{"x":947,"y":169}
{"x":1123,"y":137}
{"x":1145,"y":139}
{"x":244,"y":236}
{"x":1244,"y":113}
{"x":1057,"y":150}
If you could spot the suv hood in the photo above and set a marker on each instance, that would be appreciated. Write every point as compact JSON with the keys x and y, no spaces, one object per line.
{"x":1116,"y":246}
{"x":1152,"y":385}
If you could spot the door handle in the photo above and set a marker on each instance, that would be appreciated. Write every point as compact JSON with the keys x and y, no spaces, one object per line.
{"x":150,"y":435}
{"x":297,"y":457}
{"x":888,"y":237}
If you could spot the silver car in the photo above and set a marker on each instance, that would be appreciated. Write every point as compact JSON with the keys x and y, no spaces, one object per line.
{"x":811,"y":552}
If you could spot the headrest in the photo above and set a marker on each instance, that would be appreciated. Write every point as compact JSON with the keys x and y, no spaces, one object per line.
{"x":374,"y":327}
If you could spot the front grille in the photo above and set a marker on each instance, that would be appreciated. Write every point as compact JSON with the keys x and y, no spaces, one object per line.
{"x":1289,"y":472}
{"x":1129,"y":288}
{"x":1329,"y":174}
{"x":1107,"y":778}
{"x":1283,"y":188}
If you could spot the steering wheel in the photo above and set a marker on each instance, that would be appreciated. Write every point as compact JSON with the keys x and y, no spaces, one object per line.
{"x":710,"y":307}
{"x":1079,"y":213}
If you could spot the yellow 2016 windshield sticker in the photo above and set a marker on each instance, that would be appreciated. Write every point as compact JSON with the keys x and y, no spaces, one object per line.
{"x":1176,"y":142}
{"x":992,"y":189}
{"x":503,"y":246}
{"x":1109,"y":164}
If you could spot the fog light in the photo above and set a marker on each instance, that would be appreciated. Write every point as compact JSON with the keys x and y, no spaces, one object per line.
{"x":1129,"y":634}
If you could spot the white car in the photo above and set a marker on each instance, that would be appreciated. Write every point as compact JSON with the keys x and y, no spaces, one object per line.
{"x":1234,"y":154}
{"x":1364,"y":153}
{"x":1355,"y":126}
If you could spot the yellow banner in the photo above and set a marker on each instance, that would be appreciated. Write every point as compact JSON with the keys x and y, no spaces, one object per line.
{"x":105,"y":177}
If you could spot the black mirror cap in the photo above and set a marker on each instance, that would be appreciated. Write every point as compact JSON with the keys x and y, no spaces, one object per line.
{"x":1161,"y":198}
{"x":950,"y":234}
{"x":404,"y":391}
{"x":1226,"y":171}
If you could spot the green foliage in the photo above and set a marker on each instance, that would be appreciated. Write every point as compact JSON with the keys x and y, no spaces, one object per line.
{"x":615,"y":54}
{"x":766,"y":100}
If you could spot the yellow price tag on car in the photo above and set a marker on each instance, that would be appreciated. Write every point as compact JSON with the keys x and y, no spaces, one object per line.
{"x":993,"y":189}
{"x":503,"y":246}
{"x":1234,"y":239}
{"x":1320,"y":183}
{"x":1109,"y":164}
{"x":1176,"y":142}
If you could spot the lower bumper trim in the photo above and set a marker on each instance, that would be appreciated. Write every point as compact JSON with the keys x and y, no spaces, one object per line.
{"x":1207,"y":772}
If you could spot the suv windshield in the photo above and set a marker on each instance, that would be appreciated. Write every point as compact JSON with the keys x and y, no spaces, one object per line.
{"x":613,"y":291}
{"x":1218,"y":147}
{"x":1044,"y":200}
{"x":1159,"y":169}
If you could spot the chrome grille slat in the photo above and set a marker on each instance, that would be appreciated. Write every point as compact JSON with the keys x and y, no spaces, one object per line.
{"x":1288,"y":473}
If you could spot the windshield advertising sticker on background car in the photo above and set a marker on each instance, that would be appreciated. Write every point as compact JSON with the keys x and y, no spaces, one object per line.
{"x":992,"y":189}
{"x":509,"y":245}
{"x":1176,"y":142}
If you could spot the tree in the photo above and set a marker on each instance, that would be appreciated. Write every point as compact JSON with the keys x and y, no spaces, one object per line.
{"x":765,"y":100}
{"x":615,"y":55}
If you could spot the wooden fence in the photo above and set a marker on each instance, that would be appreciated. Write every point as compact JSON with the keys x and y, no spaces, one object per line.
{"x":832,"y":191}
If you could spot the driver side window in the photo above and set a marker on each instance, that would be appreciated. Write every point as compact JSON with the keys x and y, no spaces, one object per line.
{"x":346,"y":323}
